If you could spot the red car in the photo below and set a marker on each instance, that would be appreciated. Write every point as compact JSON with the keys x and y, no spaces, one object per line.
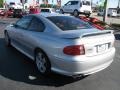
{"x":10,"y":12}
{"x":2,"y":13}
{"x":34,"y":10}
{"x":95,"y":22}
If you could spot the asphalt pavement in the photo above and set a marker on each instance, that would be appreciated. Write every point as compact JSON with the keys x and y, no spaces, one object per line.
{"x":18,"y":72}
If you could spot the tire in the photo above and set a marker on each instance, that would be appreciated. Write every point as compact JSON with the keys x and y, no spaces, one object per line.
{"x":13,"y":16}
{"x":76,"y":13}
{"x":87,"y":15}
{"x":42,"y":63}
{"x":98,"y":14}
{"x":108,"y":15}
{"x":7,"y":39}
{"x":61,"y":11}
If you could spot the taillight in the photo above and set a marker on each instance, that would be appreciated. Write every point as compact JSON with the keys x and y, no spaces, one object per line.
{"x":74,"y":50}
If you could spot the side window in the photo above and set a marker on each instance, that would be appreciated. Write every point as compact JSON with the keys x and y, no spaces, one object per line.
{"x":69,"y":3}
{"x":24,"y":22}
{"x":74,"y":2}
{"x":36,"y":25}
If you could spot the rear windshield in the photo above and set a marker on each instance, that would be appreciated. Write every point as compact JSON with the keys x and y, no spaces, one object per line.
{"x":45,"y":10}
{"x":69,"y":23}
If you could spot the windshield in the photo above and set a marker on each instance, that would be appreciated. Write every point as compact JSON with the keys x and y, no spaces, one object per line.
{"x":69,"y":23}
{"x":114,"y":11}
{"x":86,"y":3}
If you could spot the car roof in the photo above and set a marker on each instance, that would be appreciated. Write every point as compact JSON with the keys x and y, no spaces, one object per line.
{"x":51,"y":14}
{"x":46,"y":8}
{"x":74,"y":0}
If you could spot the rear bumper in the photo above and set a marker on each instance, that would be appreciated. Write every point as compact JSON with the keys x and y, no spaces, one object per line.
{"x":84,"y":12}
{"x":114,"y":15}
{"x":86,"y":65}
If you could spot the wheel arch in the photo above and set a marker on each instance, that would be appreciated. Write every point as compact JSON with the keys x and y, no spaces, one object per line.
{"x":37,"y":49}
{"x":5,"y":31}
{"x":75,"y":10}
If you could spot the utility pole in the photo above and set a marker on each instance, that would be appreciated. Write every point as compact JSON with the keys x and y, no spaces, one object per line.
{"x":118,"y":3}
{"x":105,"y":11}
{"x":118,"y":7}
{"x":52,"y":3}
{"x":23,"y":2}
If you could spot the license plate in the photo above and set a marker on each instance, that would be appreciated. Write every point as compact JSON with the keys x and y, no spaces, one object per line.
{"x":101,"y":48}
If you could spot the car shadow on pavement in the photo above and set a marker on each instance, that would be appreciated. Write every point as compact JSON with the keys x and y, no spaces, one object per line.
{"x":16,"y":66}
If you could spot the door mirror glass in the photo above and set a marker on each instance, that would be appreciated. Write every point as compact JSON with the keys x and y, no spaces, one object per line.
{"x":13,"y":25}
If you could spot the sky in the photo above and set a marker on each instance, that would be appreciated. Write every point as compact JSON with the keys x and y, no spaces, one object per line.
{"x":111,"y":3}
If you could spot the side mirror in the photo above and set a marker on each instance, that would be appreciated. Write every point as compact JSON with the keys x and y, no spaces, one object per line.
{"x":13,"y":25}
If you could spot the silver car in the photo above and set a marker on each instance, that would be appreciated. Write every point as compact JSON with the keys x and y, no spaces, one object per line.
{"x":63,"y":44}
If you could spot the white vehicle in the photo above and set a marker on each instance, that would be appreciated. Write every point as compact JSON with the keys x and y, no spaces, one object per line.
{"x":18,"y":5}
{"x":110,"y":12}
{"x":47,"y":10}
{"x":100,"y":13}
{"x":77,"y":7}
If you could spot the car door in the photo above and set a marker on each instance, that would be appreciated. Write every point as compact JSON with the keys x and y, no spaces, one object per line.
{"x":67,"y":7}
{"x":18,"y":32}
{"x":36,"y":27}
{"x":74,"y":6}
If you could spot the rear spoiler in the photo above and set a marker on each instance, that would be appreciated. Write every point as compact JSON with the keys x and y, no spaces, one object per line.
{"x":97,"y":33}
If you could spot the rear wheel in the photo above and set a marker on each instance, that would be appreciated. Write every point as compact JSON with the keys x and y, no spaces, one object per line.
{"x":108,"y":15}
{"x":87,"y":15}
{"x":76,"y":13}
{"x":98,"y":14}
{"x":61,"y":11}
{"x":42,"y":62}
{"x":7,"y":39}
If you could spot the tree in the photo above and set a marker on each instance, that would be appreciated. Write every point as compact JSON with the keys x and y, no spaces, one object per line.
{"x":1,"y":3}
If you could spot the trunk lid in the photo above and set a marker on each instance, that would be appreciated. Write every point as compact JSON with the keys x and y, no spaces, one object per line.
{"x":95,"y":42}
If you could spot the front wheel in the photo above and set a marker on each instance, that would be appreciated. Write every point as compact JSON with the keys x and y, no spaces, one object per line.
{"x":42,"y":63}
{"x":61,"y":11}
